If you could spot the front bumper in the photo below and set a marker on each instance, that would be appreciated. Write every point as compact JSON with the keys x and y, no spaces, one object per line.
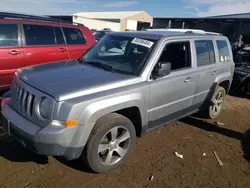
{"x":50,"y":140}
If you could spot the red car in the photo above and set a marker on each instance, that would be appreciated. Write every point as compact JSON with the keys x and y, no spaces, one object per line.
{"x":27,"y":40}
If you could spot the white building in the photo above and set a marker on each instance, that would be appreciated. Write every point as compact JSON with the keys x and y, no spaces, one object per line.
{"x":116,"y":21}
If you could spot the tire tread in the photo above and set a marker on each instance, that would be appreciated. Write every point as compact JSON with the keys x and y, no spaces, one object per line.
{"x":100,"y":124}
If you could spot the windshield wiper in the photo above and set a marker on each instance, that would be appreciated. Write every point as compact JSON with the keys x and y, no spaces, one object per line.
{"x":100,"y":65}
{"x":104,"y":66}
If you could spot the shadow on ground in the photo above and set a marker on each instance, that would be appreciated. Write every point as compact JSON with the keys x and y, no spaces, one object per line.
{"x":243,"y":137}
{"x":239,"y":95}
{"x":11,"y":150}
{"x":78,"y":165}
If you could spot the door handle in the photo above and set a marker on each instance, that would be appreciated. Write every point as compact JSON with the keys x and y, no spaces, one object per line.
{"x":61,"y":50}
{"x":214,"y":72}
{"x":14,"y":52}
{"x":188,"y":80}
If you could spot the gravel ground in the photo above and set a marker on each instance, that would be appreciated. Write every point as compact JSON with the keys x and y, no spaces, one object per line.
{"x":195,"y":139}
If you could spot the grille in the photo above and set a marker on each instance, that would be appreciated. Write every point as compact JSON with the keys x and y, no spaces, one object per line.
{"x":22,"y":100}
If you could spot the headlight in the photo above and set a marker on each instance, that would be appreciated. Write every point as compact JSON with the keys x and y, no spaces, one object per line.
{"x":45,"y":108}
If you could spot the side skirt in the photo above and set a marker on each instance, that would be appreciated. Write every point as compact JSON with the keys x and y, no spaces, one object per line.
{"x":171,"y":118}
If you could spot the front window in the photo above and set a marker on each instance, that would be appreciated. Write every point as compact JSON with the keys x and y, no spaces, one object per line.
{"x":126,"y":55}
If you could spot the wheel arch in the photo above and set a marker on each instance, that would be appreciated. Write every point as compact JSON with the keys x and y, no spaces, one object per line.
{"x":225,"y":84}
{"x":131,"y":106}
{"x":224,"y":80}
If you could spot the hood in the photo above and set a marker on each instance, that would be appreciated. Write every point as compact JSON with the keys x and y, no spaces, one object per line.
{"x":67,"y":79}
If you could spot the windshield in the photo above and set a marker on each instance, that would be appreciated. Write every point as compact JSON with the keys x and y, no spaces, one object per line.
{"x":125,"y":55}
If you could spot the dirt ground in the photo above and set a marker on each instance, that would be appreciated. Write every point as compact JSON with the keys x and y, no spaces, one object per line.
{"x":194,"y":138}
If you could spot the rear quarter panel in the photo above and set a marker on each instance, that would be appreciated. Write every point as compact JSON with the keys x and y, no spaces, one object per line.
{"x":226,"y":68}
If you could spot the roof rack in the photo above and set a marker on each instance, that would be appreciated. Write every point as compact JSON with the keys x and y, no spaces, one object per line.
{"x":205,"y":32}
{"x":187,"y":31}
{"x":7,"y":15}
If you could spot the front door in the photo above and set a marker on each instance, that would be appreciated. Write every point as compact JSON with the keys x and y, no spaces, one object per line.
{"x":171,"y":95}
{"x":11,"y":54}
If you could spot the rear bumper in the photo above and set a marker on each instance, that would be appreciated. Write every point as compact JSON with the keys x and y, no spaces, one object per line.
{"x":51,"y":141}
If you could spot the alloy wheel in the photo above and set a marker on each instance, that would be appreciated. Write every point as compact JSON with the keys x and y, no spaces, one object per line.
{"x":114,"y":146}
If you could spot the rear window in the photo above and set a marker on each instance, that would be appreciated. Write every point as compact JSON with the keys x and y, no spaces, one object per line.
{"x":8,"y":35}
{"x":74,"y":36}
{"x":224,"y":54}
{"x":39,"y":35}
{"x":205,"y":52}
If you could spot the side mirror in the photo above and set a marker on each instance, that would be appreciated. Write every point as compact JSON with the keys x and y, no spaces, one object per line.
{"x":163,"y":69}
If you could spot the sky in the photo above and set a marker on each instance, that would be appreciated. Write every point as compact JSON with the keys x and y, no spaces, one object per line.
{"x":156,"y":8}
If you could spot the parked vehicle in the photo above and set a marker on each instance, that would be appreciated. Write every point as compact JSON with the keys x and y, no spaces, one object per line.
{"x":100,"y":34}
{"x":241,"y":81}
{"x":27,"y":40}
{"x":97,"y":105}
{"x":107,"y":29}
{"x":93,"y":31}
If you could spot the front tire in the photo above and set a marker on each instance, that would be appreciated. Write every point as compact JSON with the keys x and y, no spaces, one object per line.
{"x":110,"y":143}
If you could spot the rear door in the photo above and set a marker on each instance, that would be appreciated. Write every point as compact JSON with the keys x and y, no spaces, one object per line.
{"x":11,"y":54}
{"x":76,"y":42}
{"x":206,"y":70}
{"x":43,"y":44}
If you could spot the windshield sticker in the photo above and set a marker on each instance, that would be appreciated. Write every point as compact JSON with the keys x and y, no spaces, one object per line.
{"x":142,"y":42}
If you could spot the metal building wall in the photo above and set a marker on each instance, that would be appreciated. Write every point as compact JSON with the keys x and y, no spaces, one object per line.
{"x":230,"y":28}
{"x":97,"y":24}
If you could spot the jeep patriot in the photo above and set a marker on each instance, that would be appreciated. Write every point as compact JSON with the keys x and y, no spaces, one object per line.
{"x":126,"y":85}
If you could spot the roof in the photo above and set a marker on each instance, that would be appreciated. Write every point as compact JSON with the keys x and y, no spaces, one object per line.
{"x":107,"y":15}
{"x":155,"y":35}
{"x":185,"y":30}
{"x":242,"y":15}
{"x":219,"y":17}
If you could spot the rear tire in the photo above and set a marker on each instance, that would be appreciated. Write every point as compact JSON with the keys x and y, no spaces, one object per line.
{"x":215,"y":106}
{"x":110,"y":143}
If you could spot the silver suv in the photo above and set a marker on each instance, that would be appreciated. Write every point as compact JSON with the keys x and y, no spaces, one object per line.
{"x":126,"y":85}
